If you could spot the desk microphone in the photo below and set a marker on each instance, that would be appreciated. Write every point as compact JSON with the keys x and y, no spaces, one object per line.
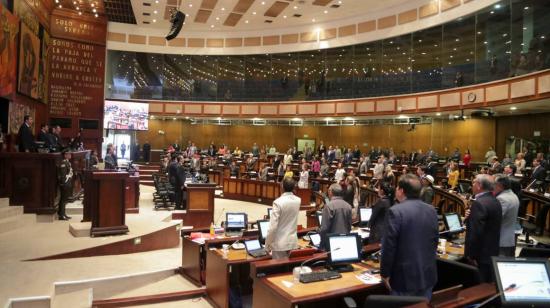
{"x":485,"y":302}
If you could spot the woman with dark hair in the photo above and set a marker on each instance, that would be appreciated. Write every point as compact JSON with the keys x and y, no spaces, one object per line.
{"x":377,"y":222}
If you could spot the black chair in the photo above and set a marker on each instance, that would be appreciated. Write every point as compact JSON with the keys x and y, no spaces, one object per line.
{"x":534,"y":252}
{"x":452,"y":273}
{"x":392,"y":301}
{"x":534,"y":224}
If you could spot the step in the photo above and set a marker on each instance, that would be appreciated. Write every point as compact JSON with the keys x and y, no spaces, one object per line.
{"x":15,"y":222}
{"x":10,"y":211}
{"x":75,"y":299}
{"x":116,"y":284}
{"x":174,"y":283}
{"x":29,"y":302}
{"x":4,"y":202}
{"x":194,"y":303}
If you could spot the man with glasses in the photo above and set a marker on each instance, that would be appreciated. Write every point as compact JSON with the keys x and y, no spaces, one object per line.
{"x":483,"y":227}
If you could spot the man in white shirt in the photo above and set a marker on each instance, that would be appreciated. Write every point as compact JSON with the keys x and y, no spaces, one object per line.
{"x":283,"y":221}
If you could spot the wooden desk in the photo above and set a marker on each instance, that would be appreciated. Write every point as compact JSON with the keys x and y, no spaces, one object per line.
{"x":200,"y":205}
{"x":536,"y":202}
{"x":449,"y":202}
{"x":273,"y":292}
{"x":251,"y":190}
{"x":132,"y":194}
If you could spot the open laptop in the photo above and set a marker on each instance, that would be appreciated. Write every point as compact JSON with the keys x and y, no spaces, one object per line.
{"x":269,"y":210}
{"x":364,"y":216}
{"x":235,"y":223}
{"x":315,"y":240}
{"x":254,"y":248}
{"x":263,"y":227}
{"x":523,"y":282}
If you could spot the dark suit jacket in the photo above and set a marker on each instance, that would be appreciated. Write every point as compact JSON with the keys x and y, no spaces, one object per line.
{"x":377,"y":222}
{"x":26,"y":139}
{"x":409,"y":246}
{"x":336,"y":219}
{"x":539,"y":174}
{"x":173,"y":172}
{"x":483,"y":229}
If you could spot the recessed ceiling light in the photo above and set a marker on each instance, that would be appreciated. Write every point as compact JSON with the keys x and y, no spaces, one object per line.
{"x":155,"y":12}
{"x":438,"y":114}
{"x":190,"y":4}
{"x":60,"y":6}
{"x":326,"y":12}
{"x":157,"y":1}
{"x":253,"y":13}
{"x":246,"y":21}
{"x":217,"y":18}
{"x":223,"y":9}
{"x":313,"y":20}
{"x":96,"y":15}
{"x":295,"y":7}
{"x":154,"y":20}
{"x":211,"y":26}
{"x":284,"y":16}
{"x":263,"y":2}
{"x":94,"y":10}
{"x":513,"y":108}
{"x":79,"y":13}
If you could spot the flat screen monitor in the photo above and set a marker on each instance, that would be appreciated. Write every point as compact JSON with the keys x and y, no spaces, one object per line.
{"x":252,"y":245}
{"x":453,"y":222}
{"x":364,"y":215}
{"x":263,"y":226}
{"x":464,"y":187}
{"x":319,"y":218}
{"x":235,"y":221}
{"x":523,"y":282}
{"x":315,"y":239}
{"x":126,"y":115}
{"x":344,"y":248}
{"x":269,"y":210}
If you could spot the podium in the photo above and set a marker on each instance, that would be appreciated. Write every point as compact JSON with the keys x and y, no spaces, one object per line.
{"x":200,"y":205}
{"x":304,"y":194}
{"x":104,"y":202}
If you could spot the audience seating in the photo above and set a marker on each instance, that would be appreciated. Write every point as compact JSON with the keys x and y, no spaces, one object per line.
{"x":164,"y":194}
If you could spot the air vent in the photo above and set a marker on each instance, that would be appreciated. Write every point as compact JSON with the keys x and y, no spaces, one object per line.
{"x":146,"y":22}
{"x":335,"y":6}
{"x":146,"y":14}
{"x":146,"y":4}
{"x":268,"y":21}
{"x":297,"y":15}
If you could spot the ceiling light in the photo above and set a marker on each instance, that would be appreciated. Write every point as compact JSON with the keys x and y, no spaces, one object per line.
{"x":60,"y":6}
{"x":94,"y":10}
{"x":295,"y":7}
{"x":326,"y":12}
{"x":513,"y":108}
{"x":223,"y":9}
{"x":79,"y":13}
{"x":190,"y":4}
{"x":253,"y":13}
{"x":438,"y":114}
{"x":77,"y":8}
{"x":497,"y":6}
{"x":93,"y":4}
{"x":96,"y":15}
{"x":211,"y":26}
{"x":402,"y":116}
{"x":155,"y":12}
{"x":296,"y":119}
{"x":313,"y":20}
{"x":157,"y":1}
{"x":263,"y":2}
{"x":348,"y":119}
{"x":217,"y":18}
{"x":154,"y":20}
{"x":284,"y":16}
{"x":246,"y":21}
{"x":329,"y":119}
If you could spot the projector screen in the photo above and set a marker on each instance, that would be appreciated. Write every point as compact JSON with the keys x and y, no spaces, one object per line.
{"x":126,"y":115}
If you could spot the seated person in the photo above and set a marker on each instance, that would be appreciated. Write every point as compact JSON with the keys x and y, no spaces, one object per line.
{"x":234,"y":170}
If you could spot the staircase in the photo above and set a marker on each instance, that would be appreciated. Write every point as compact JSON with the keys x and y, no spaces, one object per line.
{"x":12,"y":217}
{"x":146,"y":173}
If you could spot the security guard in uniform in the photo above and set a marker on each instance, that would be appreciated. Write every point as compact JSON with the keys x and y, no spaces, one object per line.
{"x":65,"y":182}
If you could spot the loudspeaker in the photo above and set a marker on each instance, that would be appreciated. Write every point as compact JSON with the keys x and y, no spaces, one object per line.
{"x":177,"y":20}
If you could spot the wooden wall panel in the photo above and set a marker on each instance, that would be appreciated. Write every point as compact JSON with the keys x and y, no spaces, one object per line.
{"x":496,"y":93}
{"x":408,"y":103}
{"x":177,"y":42}
{"x":544,"y":83}
{"x":116,"y":37}
{"x":449,"y":4}
{"x":449,"y":99}
{"x":520,"y":126}
{"x":347,"y":30}
{"x":214,"y":43}
{"x":522,"y":88}
{"x":429,"y":9}
{"x":233,"y":42}
{"x":408,"y":16}
{"x":386,"y":22}
{"x":366,"y":26}
{"x":253,"y":41}
{"x":289,"y":38}
{"x":427,"y":102}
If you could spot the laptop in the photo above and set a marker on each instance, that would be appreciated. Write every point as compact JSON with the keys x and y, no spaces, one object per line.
{"x":319,"y":217}
{"x":269,"y":210}
{"x":263,"y":227}
{"x":254,"y":248}
{"x":364,"y":216}
{"x":235,"y":223}
{"x":315,"y":240}
{"x":523,"y":282}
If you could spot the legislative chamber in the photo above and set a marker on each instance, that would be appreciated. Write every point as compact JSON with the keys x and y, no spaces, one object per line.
{"x":253,"y":153}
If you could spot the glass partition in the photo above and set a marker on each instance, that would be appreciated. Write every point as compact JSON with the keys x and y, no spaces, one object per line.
{"x":509,"y":38}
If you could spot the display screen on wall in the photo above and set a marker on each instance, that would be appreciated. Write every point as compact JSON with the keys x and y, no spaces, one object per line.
{"x":88,"y":124}
{"x":62,"y":122}
{"x":126,"y":115}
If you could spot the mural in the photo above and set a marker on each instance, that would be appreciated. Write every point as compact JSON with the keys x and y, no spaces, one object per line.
{"x":9,"y":27}
{"x":17,"y":112}
{"x":29,"y":58}
{"x":43,"y":71}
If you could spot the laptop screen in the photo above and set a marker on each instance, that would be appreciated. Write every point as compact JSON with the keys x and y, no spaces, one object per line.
{"x":319,"y":218}
{"x":269,"y":210}
{"x":263,"y":225}
{"x":235,"y":221}
{"x":523,"y":280}
{"x":315,"y":239}
{"x":252,"y":245}
{"x":453,"y":222}
{"x":365,"y":213}
{"x":343,"y":248}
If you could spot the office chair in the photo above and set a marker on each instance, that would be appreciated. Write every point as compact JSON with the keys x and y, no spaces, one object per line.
{"x":534,"y":252}
{"x":534,"y":224}
{"x":452,"y":273}
{"x":392,"y":301}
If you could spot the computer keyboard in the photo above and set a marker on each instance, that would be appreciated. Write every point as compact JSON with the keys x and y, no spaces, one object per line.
{"x":319,"y":276}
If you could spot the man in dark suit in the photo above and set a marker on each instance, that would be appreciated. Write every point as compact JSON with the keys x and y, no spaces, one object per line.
{"x":539,"y":173}
{"x":25,"y":136}
{"x":65,"y":182}
{"x":179,"y":183}
{"x":336,"y":215}
{"x":408,"y":262}
{"x":146,"y":151}
{"x":483,"y":227}
{"x":44,"y":136}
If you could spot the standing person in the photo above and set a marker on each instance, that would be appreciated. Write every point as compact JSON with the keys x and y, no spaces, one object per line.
{"x":255,"y":150}
{"x":321,"y":150}
{"x":408,"y":263}
{"x":483,"y":227}
{"x":146,"y":152}
{"x":304,"y":176}
{"x":179,"y":183}
{"x":135,"y":154}
{"x":452,"y":177}
{"x":489,"y":155}
{"x":340,"y":173}
{"x":316,"y":166}
{"x":65,"y":182}
{"x":123,"y":149}
{"x":467,"y":158}
{"x":510,"y":206}
{"x":25,"y":137}
{"x":109,"y":159}
{"x":283,"y":222}
{"x":377,"y":222}
{"x":2,"y":142}
{"x":427,"y":193}
{"x":336,"y":215}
